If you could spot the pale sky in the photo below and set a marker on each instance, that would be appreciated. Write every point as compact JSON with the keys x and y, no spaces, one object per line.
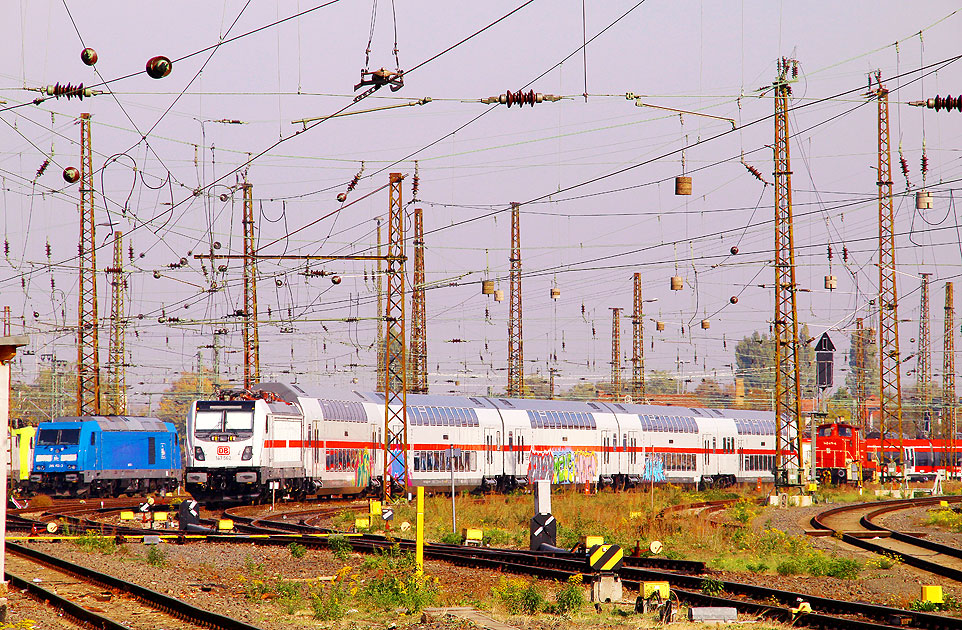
{"x":595,"y":178}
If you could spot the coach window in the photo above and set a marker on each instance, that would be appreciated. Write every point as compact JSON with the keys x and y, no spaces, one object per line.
{"x":93,"y":439}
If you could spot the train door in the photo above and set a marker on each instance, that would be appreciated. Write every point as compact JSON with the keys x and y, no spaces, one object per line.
{"x":489,"y":467}
{"x":521,"y":456}
{"x":607,"y":437}
{"x":632,"y":457}
{"x":740,"y":454}
{"x":909,"y":459}
{"x":710,"y":466}
{"x":510,"y":457}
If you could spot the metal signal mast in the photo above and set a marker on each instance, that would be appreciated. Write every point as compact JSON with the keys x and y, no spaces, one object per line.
{"x":949,"y":400}
{"x":923,"y":369}
{"x":515,"y":339}
{"x":860,"y":390}
{"x":88,"y":346}
{"x":252,"y":359}
{"x":638,"y":345}
{"x":788,"y":417}
{"x":890,"y":378}
{"x":116,"y":398}
{"x":419,"y":341}
{"x":616,"y":353}
{"x":395,"y":350}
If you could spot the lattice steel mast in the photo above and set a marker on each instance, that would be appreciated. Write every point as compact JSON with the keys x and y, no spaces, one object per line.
{"x":616,"y":353}
{"x":395,"y":359}
{"x":515,"y":338}
{"x":88,"y":346}
{"x":788,"y":417}
{"x":419,"y":341}
{"x":116,"y":398}
{"x":890,"y":378}
{"x":379,"y":284}
{"x":923,"y":368}
{"x":949,"y":400}
{"x":860,"y":389}
{"x":252,"y":361}
{"x":637,"y":344}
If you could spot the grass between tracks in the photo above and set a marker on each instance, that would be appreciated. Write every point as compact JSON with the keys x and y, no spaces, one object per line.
{"x":632,"y":519}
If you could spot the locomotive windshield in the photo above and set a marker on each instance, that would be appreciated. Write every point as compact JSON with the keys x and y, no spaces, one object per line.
{"x":51,"y":437}
{"x":236,"y":418}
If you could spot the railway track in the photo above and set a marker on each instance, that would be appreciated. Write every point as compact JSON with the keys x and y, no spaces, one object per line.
{"x":686,"y":578}
{"x":104,"y":601}
{"x":855,"y":525}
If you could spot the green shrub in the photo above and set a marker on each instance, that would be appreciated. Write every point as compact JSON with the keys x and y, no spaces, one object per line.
{"x":407,"y":590}
{"x":156,"y":557}
{"x":757,"y":567}
{"x":789,"y":567}
{"x":520,"y":596}
{"x":882,"y":561}
{"x":571,"y":597}
{"x":743,"y":511}
{"x":712,"y":587}
{"x":289,"y":596}
{"x":92,"y":541}
{"x":497,"y":537}
{"x":252,"y":568}
{"x":297,"y":550}
{"x":450,"y":538}
{"x":328,"y":605}
{"x":340,"y":546}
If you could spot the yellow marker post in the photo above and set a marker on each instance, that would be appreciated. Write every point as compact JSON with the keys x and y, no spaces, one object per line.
{"x":419,"y":546}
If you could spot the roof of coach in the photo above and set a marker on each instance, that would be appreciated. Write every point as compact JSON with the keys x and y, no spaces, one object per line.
{"x":291,"y":392}
{"x":111,"y":423}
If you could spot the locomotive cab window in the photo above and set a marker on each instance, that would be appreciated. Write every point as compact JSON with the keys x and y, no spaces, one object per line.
{"x":52,"y":437}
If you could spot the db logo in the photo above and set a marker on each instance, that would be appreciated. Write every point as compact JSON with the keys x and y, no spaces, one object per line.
{"x":223,"y":450}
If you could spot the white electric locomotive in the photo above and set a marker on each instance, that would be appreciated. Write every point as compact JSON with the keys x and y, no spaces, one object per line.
{"x":282,"y":437}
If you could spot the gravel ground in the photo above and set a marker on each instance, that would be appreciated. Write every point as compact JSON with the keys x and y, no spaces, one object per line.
{"x":214,"y":576}
{"x":914,"y":521}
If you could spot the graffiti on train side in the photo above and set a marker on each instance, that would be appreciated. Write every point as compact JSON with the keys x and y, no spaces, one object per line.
{"x":362,"y":475}
{"x":563,"y":466}
{"x":654,"y":470}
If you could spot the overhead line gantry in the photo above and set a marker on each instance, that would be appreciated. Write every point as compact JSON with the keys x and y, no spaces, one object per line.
{"x":394,"y":381}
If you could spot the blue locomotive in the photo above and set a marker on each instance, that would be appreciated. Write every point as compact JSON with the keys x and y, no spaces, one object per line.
{"x":105,"y":456}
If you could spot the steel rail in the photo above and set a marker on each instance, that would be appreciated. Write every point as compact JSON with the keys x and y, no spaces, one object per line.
{"x":78,"y":613}
{"x":889,"y":506}
{"x":170,"y":605}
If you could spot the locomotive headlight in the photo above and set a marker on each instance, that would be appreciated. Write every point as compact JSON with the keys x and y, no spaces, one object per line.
{"x":199,"y":454}
{"x":248,"y":453}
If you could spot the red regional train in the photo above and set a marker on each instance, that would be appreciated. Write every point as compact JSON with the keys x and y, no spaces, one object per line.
{"x":841,"y":452}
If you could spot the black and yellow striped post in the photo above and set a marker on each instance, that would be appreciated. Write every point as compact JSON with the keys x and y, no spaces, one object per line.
{"x":605,"y":558}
